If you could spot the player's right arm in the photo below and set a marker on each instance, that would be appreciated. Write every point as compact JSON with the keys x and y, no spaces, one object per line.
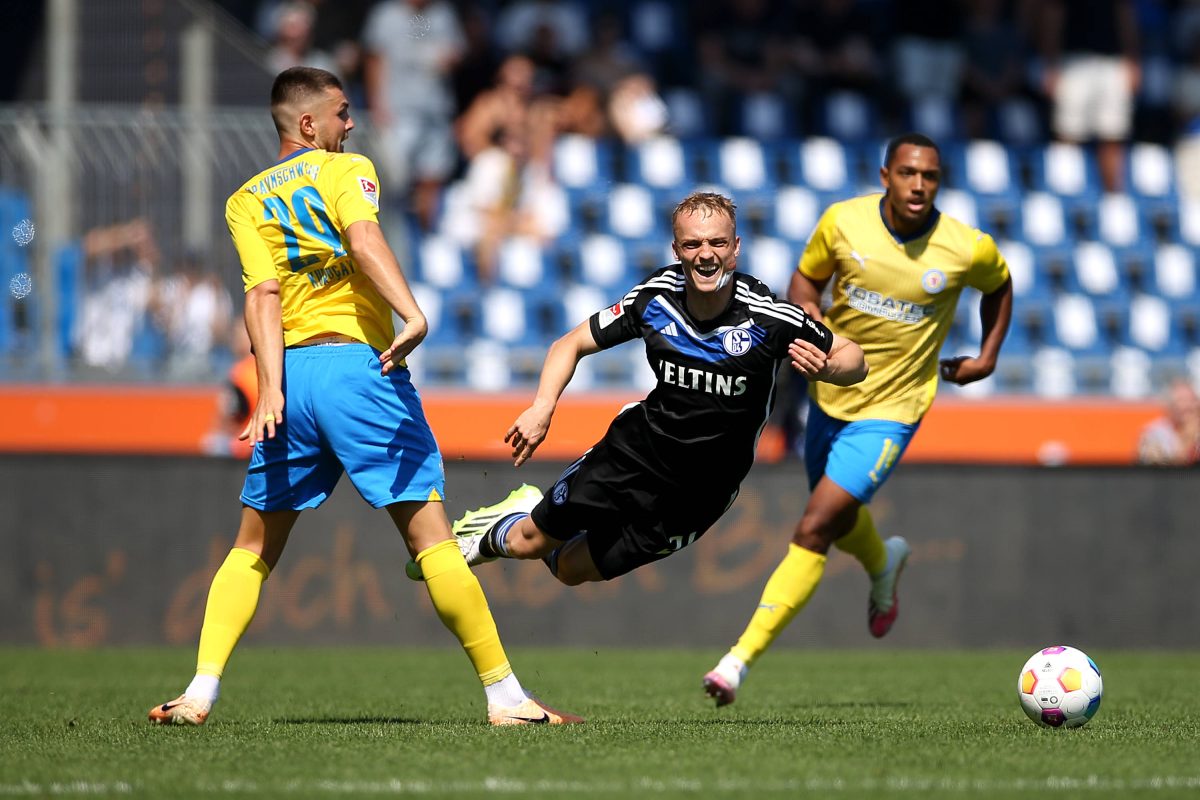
{"x":264,"y":315}
{"x":533,"y":424}
{"x":816,"y":266}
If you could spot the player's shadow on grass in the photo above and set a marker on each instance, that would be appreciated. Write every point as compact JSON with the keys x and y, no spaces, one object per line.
{"x":364,"y":720}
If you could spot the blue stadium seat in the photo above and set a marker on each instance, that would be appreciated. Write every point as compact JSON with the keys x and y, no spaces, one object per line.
{"x":662,"y":164}
{"x":1096,"y":270}
{"x":847,"y":116}
{"x":935,"y":117}
{"x":522,"y":263}
{"x":1174,"y":273}
{"x":583,"y":164}
{"x":795,"y":213}
{"x":1076,"y":326}
{"x":771,"y":260}
{"x":1043,"y":222}
{"x":443,"y":264}
{"x":765,"y":116}
{"x":690,"y":117}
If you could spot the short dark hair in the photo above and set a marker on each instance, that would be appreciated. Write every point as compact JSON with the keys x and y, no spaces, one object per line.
{"x":913,"y":138}
{"x":296,"y":84}
{"x":710,"y":202}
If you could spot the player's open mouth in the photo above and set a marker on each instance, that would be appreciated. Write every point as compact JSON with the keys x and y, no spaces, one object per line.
{"x":707,"y":270}
{"x":915,"y":206}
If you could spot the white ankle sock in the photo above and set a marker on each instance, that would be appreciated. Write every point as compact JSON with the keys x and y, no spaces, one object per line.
{"x":733,"y":666}
{"x":506,"y":692}
{"x":204,"y":687}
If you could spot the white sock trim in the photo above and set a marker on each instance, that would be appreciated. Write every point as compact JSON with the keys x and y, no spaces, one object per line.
{"x":506,"y":692}
{"x":204,"y":687}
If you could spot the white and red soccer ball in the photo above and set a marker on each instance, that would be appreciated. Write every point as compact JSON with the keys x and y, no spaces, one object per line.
{"x":1060,"y":687}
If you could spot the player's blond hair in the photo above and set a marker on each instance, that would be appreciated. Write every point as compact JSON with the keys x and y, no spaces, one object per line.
{"x":705,"y":203}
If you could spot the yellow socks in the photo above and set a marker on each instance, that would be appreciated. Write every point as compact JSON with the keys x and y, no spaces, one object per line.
{"x":787,"y":591}
{"x":462,"y":607}
{"x":864,"y":544}
{"x":232,"y":601}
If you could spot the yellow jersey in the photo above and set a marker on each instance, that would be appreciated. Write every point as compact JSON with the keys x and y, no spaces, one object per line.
{"x":288,"y":223}
{"x":896,"y":299}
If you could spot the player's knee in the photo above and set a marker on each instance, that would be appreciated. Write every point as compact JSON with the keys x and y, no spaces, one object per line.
{"x":814,"y":533}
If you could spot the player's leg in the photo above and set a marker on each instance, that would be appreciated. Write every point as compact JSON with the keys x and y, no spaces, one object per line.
{"x":462,"y":607}
{"x":393,"y":460}
{"x":232,"y":601}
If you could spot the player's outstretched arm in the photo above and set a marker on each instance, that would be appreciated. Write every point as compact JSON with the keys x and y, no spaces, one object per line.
{"x":995,"y":314}
{"x":533,"y":424}
{"x":376,"y":260}
{"x":264,"y":323}
{"x":844,"y":365}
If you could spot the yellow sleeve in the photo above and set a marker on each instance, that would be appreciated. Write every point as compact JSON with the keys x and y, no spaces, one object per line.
{"x":258,"y":266}
{"x":989,"y":270}
{"x":817,"y":261}
{"x":355,"y":191}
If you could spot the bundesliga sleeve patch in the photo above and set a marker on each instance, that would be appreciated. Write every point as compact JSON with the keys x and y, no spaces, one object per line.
{"x":609,"y":315}
{"x":370,"y":190}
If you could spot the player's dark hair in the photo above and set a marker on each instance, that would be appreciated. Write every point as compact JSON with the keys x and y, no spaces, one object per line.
{"x":710,"y":202}
{"x":295,"y":85}
{"x":917,"y":139}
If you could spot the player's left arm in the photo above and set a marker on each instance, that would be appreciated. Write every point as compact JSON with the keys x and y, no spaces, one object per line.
{"x":995,"y":313}
{"x":844,"y":364}
{"x":376,"y":260}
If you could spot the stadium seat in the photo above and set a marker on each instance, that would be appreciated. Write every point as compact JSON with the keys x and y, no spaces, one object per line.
{"x":960,"y":205}
{"x":1064,"y":169}
{"x":936,"y":118}
{"x":487,"y":368}
{"x":1118,"y":220}
{"x":520,"y":264}
{"x":1189,"y":221}
{"x":503,"y":315}
{"x":1129,"y":374}
{"x":1175,"y":272}
{"x":1149,"y":326}
{"x":771,"y":260}
{"x":661,"y":164}
{"x":1043,"y":222}
{"x":1053,"y":373}
{"x":765,"y":116}
{"x":1096,"y":270}
{"x":1075,"y":324}
{"x":603,"y":263}
{"x":847,"y":116}
{"x":442,"y":264}
{"x":1150,"y":171}
{"x":743,"y":165}
{"x":987,"y":169}
{"x":582,"y":163}
{"x":1016,"y":121}
{"x":796,"y":213}
{"x":631,"y":212}
{"x":688,"y":115}
{"x":1027,"y":280}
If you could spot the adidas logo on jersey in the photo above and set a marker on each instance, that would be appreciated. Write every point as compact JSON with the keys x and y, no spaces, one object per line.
{"x":669,"y":329}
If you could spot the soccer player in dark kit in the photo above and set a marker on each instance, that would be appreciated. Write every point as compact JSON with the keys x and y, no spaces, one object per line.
{"x":671,"y":465}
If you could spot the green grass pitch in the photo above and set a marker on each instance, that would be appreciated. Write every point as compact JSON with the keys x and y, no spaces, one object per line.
{"x":356,"y":722}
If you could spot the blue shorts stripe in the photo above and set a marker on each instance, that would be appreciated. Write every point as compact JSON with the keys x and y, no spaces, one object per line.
{"x":858,"y":456}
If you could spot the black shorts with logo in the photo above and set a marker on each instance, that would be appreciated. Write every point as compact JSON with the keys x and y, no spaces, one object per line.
{"x":631,"y":515}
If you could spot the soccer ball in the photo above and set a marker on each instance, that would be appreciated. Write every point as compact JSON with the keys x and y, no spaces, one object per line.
{"x":1060,"y":687}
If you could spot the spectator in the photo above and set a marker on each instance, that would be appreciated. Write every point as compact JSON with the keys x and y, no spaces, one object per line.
{"x":195,"y":311}
{"x":635,"y":109}
{"x":994,"y":64}
{"x":239,"y":396}
{"x":412,"y":48}
{"x":1185,"y":102}
{"x":293,"y":40}
{"x":120,"y":262}
{"x":1092,"y":73}
{"x":742,"y":54}
{"x":833,"y":50}
{"x":928,"y":52}
{"x":508,"y":136}
{"x":1174,"y":438}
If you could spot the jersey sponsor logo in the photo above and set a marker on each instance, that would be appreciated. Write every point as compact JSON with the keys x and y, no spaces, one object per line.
{"x":370,"y":190}
{"x":737,"y":341}
{"x":609,"y":315}
{"x":669,"y":329}
{"x":559,"y":495}
{"x":701,"y":380}
{"x":880,"y":305}
{"x":933,"y":281}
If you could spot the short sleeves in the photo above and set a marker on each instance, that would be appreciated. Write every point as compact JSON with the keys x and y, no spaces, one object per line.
{"x":355,"y":191}
{"x":818,"y":261}
{"x":257,"y":264}
{"x":616,"y":324}
{"x":988,"y":270}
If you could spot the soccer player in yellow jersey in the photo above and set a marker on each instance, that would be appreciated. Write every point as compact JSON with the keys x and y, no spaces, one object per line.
{"x":897,"y":266}
{"x":334,"y":392}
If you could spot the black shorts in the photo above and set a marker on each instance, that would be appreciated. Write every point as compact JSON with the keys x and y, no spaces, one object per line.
{"x":631,"y":515}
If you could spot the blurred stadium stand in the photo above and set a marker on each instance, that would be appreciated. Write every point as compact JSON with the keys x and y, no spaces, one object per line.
{"x":1107,"y":296}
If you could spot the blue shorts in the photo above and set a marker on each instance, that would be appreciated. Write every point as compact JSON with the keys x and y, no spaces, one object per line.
{"x":341,"y":414}
{"x":857,"y":456}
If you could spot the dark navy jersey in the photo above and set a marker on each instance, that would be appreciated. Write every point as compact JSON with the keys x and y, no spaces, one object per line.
{"x":716,"y":378}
